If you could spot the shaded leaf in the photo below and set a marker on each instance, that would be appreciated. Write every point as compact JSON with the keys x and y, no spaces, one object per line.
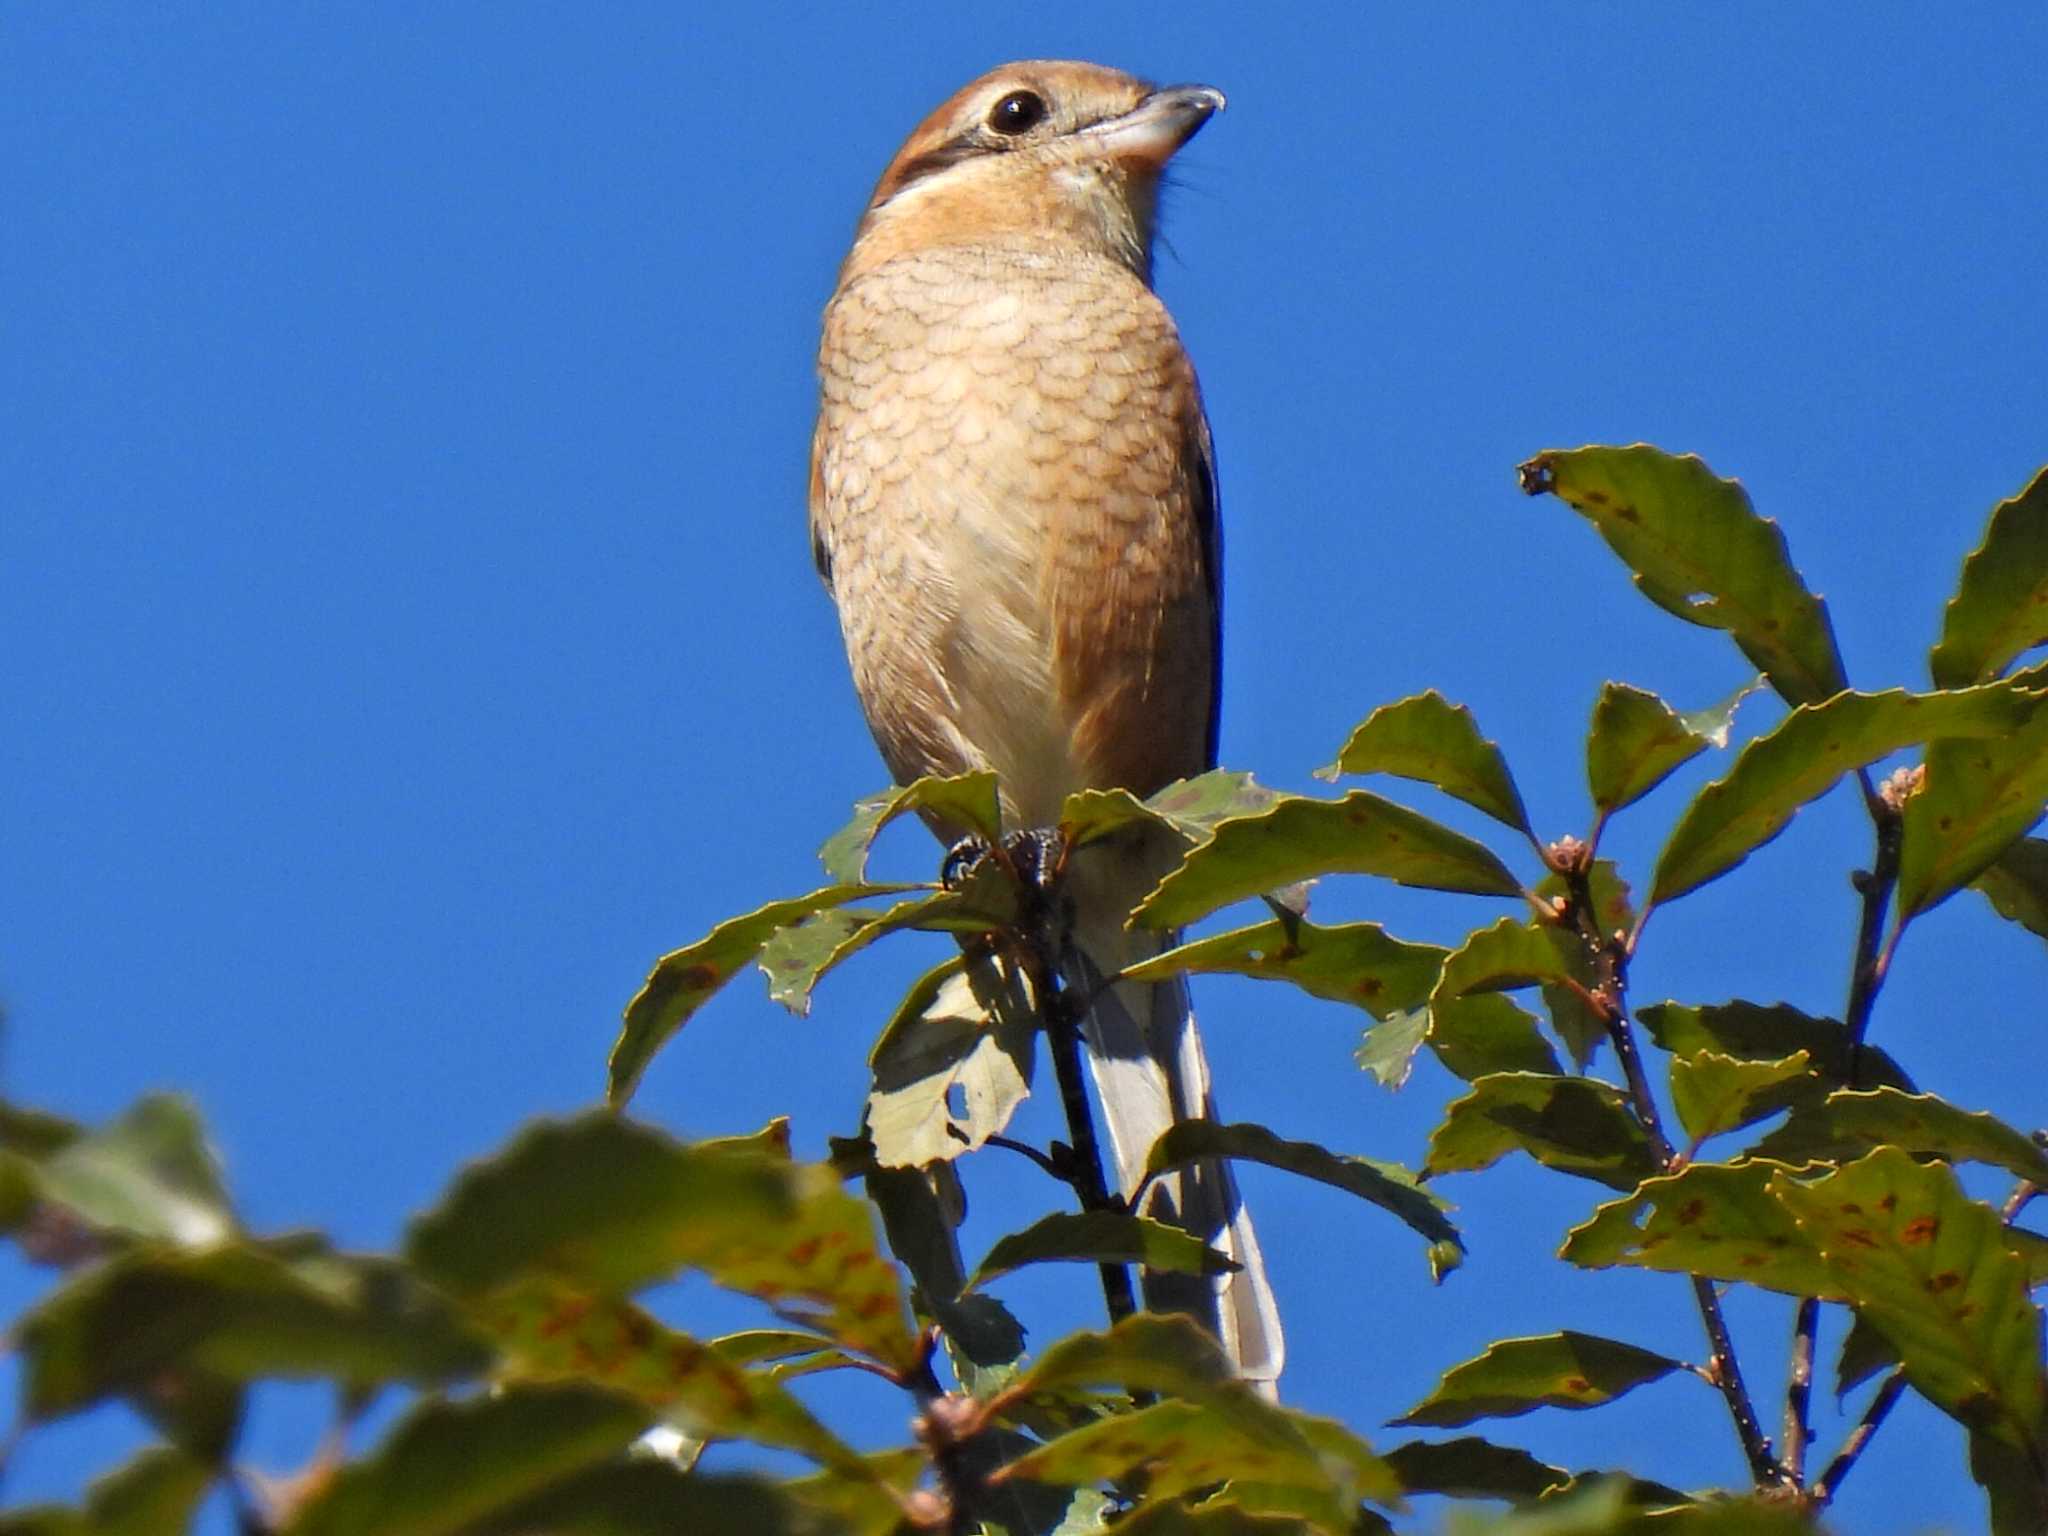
{"x":1553,"y":1370}
{"x":1699,"y":551}
{"x":1429,"y":739}
{"x":1637,"y":741}
{"x":965,"y":804}
{"x":447,"y":1467}
{"x":2001,"y":604}
{"x":646,"y":1497}
{"x":1472,"y":1468}
{"x":1717,"y":1219}
{"x":1147,"y":1352}
{"x":870,"y":1504}
{"x":1714,"y":1093}
{"x":1357,"y":963}
{"x":966,"y":1028}
{"x":1849,"y":1123}
{"x":1768,"y":1032}
{"x":1187,"y":808}
{"x":685,"y":979}
{"x":1484,"y":1033}
{"x":149,"y":1174}
{"x":1219,"y":1516}
{"x":1387,"y":1185}
{"x":1300,"y":839}
{"x":2016,"y":884}
{"x":2014,"y":1483}
{"x":1507,"y":955}
{"x":154,"y":1493}
{"x":1574,"y":1124}
{"x":1974,"y":801}
{"x":1807,"y":755}
{"x":35,"y":1133}
{"x":1112,"y":1237}
{"x":1388,"y":1050}
{"x":1865,"y":1352}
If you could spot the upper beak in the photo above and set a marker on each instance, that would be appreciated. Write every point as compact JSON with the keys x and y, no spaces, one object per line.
{"x":1153,"y":130}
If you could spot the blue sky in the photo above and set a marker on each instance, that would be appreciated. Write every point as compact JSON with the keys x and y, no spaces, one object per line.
{"x":409,"y":631}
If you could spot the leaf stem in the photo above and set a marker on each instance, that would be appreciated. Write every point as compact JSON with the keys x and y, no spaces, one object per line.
{"x":1830,"y":1481}
{"x":1024,"y":1149}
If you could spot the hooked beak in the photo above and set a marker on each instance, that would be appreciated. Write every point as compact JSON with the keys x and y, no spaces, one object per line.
{"x":1151,"y":132}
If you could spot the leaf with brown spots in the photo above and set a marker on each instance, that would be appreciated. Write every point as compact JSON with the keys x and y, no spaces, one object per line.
{"x":1298,"y":838}
{"x":1357,"y":963}
{"x":2001,"y":604}
{"x":1576,"y":1125}
{"x":1553,"y":1370}
{"x":1810,"y":752}
{"x":1432,"y":741}
{"x":1699,"y":550}
{"x":1935,"y":1273}
{"x":1637,"y":741}
{"x":1974,"y":802}
{"x":967,"y":1032}
{"x":1721,"y":1220}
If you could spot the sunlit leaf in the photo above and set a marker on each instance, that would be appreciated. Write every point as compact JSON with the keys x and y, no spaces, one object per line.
{"x":1508,"y":955}
{"x":1102,"y":1237}
{"x":1714,"y":1093}
{"x":149,"y":1174}
{"x":1485,"y":1032}
{"x":1554,"y":1370}
{"x":1717,"y":1219}
{"x":1974,"y":801}
{"x":965,"y":804}
{"x":1147,"y":1352}
{"x":1472,"y":1468}
{"x":1387,"y":1185}
{"x":2016,"y":884}
{"x":1388,"y":1050}
{"x":966,"y":1032}
{"x":1760,"y":1032}
{"x":1187,"y":808}
{"x":1637,"y":741}
{"x":1850,"y":1123}
{"x":1429,"y":739}
{"x":684,"y":980}
{"x":1300,"y":839}
{"x":1574,"y":1124}
{"x":1357,"y":963}
{"x":1699,"y":550}
{"x":2001,"y":605}
{"x":1807,"y":755}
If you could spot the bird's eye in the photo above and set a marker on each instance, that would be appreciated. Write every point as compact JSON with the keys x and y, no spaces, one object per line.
{"x":1018,"y":112}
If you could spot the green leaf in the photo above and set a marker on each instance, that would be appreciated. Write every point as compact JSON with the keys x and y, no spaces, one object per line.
{"x":1222,"y":1516}
{"x":1573,"y":1124}
{"x":1429,"y":739}
{"x":1637,"y":741}
{"x":2001,"y":605}
{"x":1300,"y":839}
{"x":1807,"y":755}
{"x":647,"y":1497}
{"x":1716,"y":1219}
{"x":552,"y":1332}
{"x":35,"y":1133}
{"x":2014,"y":1483}
{"x":1553,"y":1370}
{"x":1484,"y":1033}
{"x":1865,"y":1352}
{"x":156,"y":1492}
{"x":1932,"y":1271}
{"x":1472,"y":1468}
{"x":1357,"y":963}
{"x":1187,"y":809}
{"x":966,"y":1027}
{"x":1387,"y":1185}
{"x":1103,"y":1237}
{"x":2016,"y":884}
{"x":236,"y":1312}
{"x":1388,"y":1050}
{"x":1714,"y":1093}
{"x":447,"y":1467}
{"x":964,"y":804}
{"x":1759,"y":1032}
{"x":1147,"y":1352}
{"x":684,"y":980}
{"x":1508,"y":955}
{"x":1974,"y":801}
{"x":611,"y":1207}
{"x":868,"y":1505}
{"x":1850,"y":1123}
{"x":148,"y":1175}
{"x":1699,"y":551}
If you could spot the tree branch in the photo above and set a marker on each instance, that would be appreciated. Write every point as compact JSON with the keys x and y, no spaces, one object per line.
{"x":1830,"y":1481}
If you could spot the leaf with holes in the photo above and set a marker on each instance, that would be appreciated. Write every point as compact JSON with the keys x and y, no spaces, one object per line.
{"x":2001,"y":605}
{"x":1975,"y":800}
{"x":966,"y":1031}
{"x":1810,"y":752}
{"x":1554,"y":1370}
{"x":1721,"y":1220}
{"x":1301,"y":839}
{"x":1637,"y":741}
{"x":1357,"y":963}
{"x":965,"y":804}
{"x":1714,"y":1093}
{"x":1435,"y":742}
{"x":1573,"y":1124}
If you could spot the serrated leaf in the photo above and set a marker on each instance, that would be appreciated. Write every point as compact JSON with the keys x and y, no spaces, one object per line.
{"x":1472,"y":1468}
{"x":1301,"y":839}
{"x":1102,"y":1237}
{"x":1573,"y":1124}
{"x":1357,"y":963}
{"x":965,"y":804}
{"x":685,"y":979}
{"x":2016,"y":884}
{"x":1931,"y":1270}
{"x":231,"y":1313}
{"x":447,"y":1467}
{"x":1508,"y":955}
{"x":1146,"y":1352}
{"x":1387,"y":1185}
{"x":611,"y":1206}
{"x":1714,"y":1093}
{"x":1699,"y":551}
{"x":1553,"y":1370}
{"x":552,"y":1332}
{"x":1768,"y":1032}
{"x":1975,"y":800}
{"x":1187,"y":809}
{"x":1388,"y":1050}
{"x":1637,"y":741}
{"x":2001,"y":604}
{"x":1717,"y":1219}
{"x":148,"y":1174}
{"x":1484,"y":1033}
{"x":1850,"y":1123}
{"x":966,"y":1028}
{"x":1428,"y":739}
{"x":1808,"y":753}
{"x":1865,"y":1352}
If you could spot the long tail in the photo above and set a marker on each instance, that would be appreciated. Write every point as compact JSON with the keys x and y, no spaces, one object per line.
{"x":1146,"y":1057}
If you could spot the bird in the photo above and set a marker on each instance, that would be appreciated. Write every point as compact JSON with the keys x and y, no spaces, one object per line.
{"x":1013,"y":505}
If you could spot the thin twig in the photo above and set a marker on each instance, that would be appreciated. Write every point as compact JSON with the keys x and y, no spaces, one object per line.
{"x":1799,"y":1391}
{"x":2017,"y":1202}
{"x":1830,"y":1481}
{"x":1024,"y":1149}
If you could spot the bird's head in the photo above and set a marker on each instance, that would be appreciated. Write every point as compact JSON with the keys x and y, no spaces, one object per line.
{"x":1046,"y":151}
